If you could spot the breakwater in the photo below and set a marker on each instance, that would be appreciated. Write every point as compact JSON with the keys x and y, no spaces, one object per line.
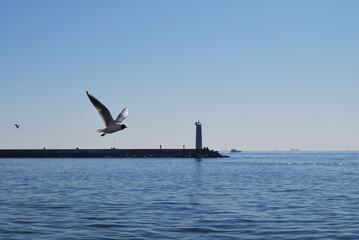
{"x":110,"y":153}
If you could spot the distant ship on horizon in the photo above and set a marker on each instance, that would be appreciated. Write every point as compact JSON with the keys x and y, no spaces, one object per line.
{"x":233,"y":150}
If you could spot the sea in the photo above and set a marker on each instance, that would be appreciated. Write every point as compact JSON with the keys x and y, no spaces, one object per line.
{"x":251,"y":195}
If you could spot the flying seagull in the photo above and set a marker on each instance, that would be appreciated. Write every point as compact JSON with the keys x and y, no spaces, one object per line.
{"x":17,"y":125}
{"x":111,"y":125}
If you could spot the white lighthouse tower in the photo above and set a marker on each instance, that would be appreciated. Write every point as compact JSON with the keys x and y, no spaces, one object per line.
{"x":198,"y":135}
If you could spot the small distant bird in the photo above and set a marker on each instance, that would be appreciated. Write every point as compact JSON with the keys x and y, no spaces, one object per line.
{"x":111,"y":125}
{"x":17,"y":125}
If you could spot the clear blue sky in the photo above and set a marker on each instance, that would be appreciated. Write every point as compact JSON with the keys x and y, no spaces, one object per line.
{"x":260,"y":75}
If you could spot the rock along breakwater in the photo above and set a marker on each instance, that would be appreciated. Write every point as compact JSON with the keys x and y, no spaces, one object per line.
{"x":110,"y":153}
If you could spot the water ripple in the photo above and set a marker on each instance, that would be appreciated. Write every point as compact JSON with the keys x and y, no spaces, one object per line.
{"x":248,"y":196}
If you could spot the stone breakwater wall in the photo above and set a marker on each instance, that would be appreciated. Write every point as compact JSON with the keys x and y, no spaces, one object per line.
{"x":110,"y":153}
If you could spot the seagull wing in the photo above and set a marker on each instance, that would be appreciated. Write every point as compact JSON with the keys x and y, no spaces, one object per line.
{"x":102,"y":110}
{"x":122,"y":115}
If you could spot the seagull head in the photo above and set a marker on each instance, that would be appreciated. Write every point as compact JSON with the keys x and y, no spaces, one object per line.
{"x":123,"y":126}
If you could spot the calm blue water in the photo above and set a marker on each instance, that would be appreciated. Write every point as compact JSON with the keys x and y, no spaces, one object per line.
{"x":252,"y":195}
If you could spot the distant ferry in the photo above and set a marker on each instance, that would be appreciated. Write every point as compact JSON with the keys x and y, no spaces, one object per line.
{"x":233,"y":150}
{"x":294,"y":150}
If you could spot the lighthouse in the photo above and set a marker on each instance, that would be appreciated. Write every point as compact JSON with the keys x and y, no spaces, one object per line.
{"x":198,"y":135}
